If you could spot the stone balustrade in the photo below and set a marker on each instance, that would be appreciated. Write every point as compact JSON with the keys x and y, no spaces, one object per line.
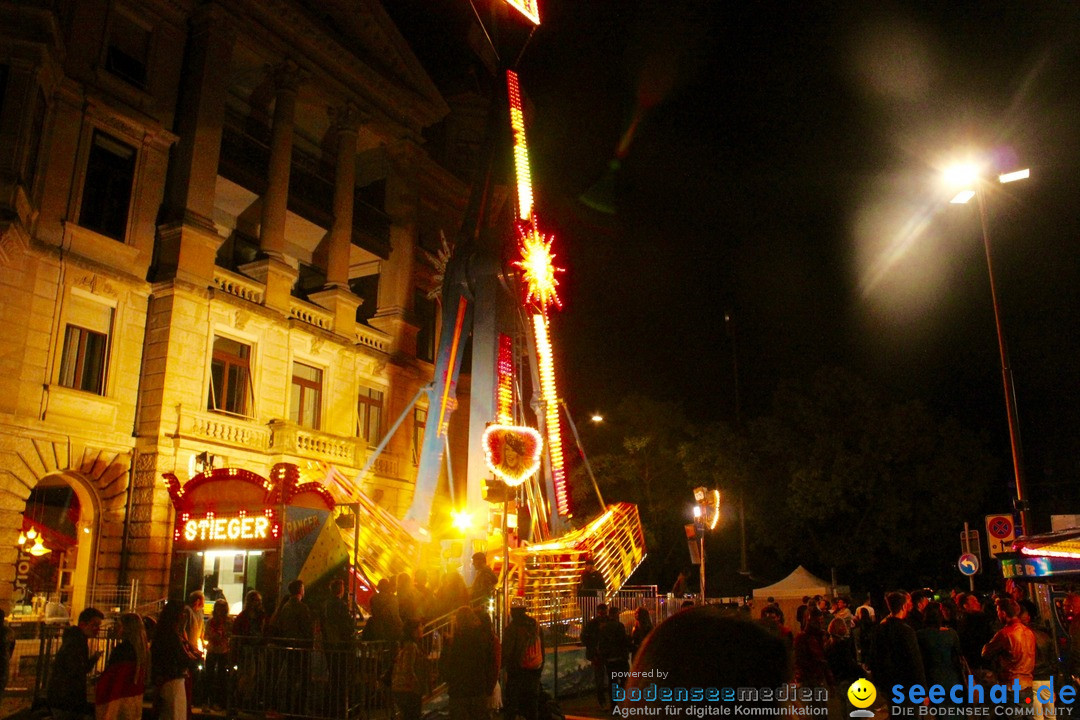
{"x":371,"y":338}
{"x":305,"y":312}
{"x":242,"y":287}
{"x":223,"y":429}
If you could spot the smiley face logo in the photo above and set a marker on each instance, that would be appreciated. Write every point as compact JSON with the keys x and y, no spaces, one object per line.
{"x":862,"y":693}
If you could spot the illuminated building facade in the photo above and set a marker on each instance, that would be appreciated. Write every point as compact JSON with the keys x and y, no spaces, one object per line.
{"x":213,"y":225}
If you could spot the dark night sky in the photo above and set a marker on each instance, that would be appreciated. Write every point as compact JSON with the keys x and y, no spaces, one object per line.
{"x":786,"y":170}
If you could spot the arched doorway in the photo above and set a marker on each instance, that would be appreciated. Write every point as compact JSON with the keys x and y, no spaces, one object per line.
{"x":54,"y":569}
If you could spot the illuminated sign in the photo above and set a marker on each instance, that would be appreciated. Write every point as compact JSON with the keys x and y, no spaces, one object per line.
{"x":512,"y":452}
{"x":240,"y":530}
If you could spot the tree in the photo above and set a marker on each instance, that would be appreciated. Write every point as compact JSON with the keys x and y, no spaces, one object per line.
{"x":845,"y":477}
{"x":638,"y":463}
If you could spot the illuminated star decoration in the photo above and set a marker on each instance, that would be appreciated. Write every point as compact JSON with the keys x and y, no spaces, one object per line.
{"x":439,"y":262}
{"x":538,"y":263}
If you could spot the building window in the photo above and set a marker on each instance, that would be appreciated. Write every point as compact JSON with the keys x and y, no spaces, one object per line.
{"x":230,"y":377}
{"x":367,"y":289}
{"x":106,"y":198}
{"x":85,"y":353}
{"x":128,"y":50}
{"x":369,"y":410}
{"x":305,"y":404}
{"x":419,"y":424}
{"x":424,"y":311}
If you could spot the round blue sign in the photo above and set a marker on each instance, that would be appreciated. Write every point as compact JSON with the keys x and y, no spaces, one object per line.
{"x":968,"y":563}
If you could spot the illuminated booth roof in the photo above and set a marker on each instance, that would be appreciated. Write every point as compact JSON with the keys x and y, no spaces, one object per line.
{"x":1041,"y":556}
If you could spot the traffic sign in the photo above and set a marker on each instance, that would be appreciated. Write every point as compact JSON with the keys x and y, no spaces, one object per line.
{"x":1000,"y":533}
{"x":968,"y":564}
{"x":969,"y":543}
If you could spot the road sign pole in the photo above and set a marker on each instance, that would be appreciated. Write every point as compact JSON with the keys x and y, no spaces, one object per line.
{"x":967,"y":549}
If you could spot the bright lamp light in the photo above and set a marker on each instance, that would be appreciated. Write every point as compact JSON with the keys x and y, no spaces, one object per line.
{"x":1015,"y":175}
{"x":961,"y":175}
{"x":962,"y":197}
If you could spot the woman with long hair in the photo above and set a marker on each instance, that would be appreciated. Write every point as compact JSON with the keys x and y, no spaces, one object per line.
{"x":409,"y":682}
{"x":218,"y":631}
{"x":642,"y":627}
{"x":118,"y":694}
{"x":171,"y":661}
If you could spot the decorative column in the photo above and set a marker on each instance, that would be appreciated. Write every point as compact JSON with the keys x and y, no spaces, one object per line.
{"x":273,"y":270}
{"x":396,"y":275}
{"x":336,"y":296}
{"x":188,"y":240}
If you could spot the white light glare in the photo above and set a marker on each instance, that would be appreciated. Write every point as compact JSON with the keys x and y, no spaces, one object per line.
{"x":1014,"y":176}
{"x":697,"y":511}
{"x":962,"y":197}
{"x":961,"y":175}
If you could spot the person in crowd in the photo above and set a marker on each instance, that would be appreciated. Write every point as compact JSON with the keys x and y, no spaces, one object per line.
{"x":974,"y":630}
{"x":919,"y":600}
{"x":939,"y":645}
{"x":171,"y":662}
{"x":425,"y":595}
{"x":869,"y":607}
{"x":385,"y":621}
{"x":896,"y":657}
{"x":467,"y":663}
{"x":1012,"y":648}
{"x":842,"y":611}
{"x":591,"y":582}
{"x":863,"y":635}
{"x":251,"y":622}
{"x":248,"y":631}
{"x":704,"y":647}
{"x":408,"y":599}
{"x":811,"y":667}
{"x":680,"y":587}
{"x":800,"y":612}
{"x":643,"y":625}
{"x":217,"y":634}
{"x":840,"y":655}
{"x":66,"y":691}
{"x":493,"y":649}
{"x":484,"y":580}
{"x":293,"y":626}
{"x":338,"y":632}
{"x":773,"y":619}
{"x":118,"y":693}
{"x":410,"y":675}
{"x":613,"y":644}
{"x":590,"y":638}
{"x":523,"y":661}
{"x":452,"y":594}
{"x":191,"y":627}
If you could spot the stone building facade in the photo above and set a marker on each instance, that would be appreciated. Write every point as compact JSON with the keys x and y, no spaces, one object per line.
{"x":213,"y":225}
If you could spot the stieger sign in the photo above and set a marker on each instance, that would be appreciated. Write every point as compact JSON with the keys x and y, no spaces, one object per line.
{"x":239,"y":530}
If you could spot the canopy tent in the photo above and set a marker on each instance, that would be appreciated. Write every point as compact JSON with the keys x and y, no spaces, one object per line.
{"x":789,"y":592}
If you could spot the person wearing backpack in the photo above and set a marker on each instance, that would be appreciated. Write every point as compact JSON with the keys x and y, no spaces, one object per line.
{"x":523,"y":661}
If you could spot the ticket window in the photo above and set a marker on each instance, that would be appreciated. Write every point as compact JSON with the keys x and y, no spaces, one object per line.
{"x":233,"y":572}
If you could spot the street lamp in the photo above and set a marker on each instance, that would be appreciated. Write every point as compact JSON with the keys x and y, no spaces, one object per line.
{"x":971,"y":179}
{"x":595,"y":418}
{"x":706,"y":512}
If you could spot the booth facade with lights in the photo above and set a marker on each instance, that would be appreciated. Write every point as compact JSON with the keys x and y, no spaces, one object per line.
{"x":237,"y":531}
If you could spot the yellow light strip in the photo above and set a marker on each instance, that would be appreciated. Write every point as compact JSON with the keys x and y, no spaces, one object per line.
{"x":521,"y":149}
{"x":528,"y":8}
{"x":551,"y":413}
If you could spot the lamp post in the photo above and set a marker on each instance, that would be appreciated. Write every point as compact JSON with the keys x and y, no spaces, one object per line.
{"x":706,"y":512}
{"x":978,"y":191}
{"x":595,"y":418}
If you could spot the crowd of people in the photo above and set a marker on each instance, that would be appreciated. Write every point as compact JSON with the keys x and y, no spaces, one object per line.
{"x":186,"y":658}
{"x":923,"y":638}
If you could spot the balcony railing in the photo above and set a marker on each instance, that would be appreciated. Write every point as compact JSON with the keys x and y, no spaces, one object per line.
{"x":242,"y":287}
{"x":290,"y":439}
{"x":305,"y":312}
{"x":372,"y":338}
{"x":222,"y":429}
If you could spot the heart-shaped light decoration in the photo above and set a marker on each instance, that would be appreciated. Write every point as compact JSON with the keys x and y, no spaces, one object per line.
{"x":512,"y":452}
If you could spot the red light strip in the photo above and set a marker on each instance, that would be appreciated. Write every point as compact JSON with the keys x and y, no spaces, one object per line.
{"x":504,"y":400}
{"x":551,"y":414}
{"x":521,"y":149}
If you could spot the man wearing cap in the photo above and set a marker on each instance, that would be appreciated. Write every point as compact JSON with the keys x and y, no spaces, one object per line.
{"x":485,"y":580}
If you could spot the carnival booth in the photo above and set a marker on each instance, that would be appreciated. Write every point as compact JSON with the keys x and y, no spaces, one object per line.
{"x":237,"y":531}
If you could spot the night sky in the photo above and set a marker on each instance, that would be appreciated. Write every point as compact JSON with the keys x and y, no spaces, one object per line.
{"x":786,"y":170}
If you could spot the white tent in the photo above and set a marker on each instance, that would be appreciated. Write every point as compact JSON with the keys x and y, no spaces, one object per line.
{"x":790,"y":591}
